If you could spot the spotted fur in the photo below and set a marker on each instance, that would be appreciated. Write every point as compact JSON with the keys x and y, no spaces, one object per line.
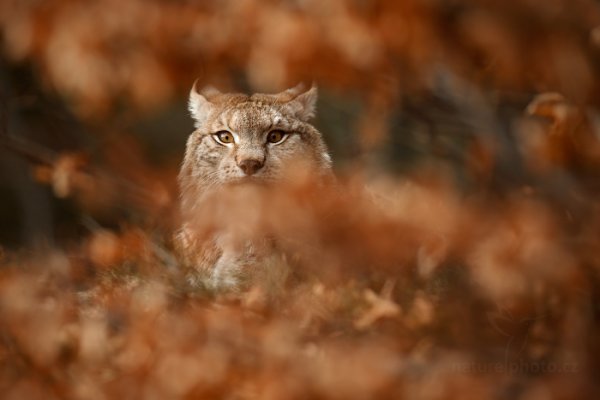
{"x":209,"y":165}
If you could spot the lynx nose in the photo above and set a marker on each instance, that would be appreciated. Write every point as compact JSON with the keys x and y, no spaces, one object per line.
{"x":250,"y":166}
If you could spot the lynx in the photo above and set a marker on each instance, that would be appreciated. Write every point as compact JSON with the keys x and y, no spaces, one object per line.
{"x":248,"y":141}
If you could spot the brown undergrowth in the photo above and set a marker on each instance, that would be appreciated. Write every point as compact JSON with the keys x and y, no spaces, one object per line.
{"x":393,"y":289}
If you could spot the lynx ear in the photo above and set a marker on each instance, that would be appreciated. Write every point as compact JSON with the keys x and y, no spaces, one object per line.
{"x":303,"y":103}
{"x":199,"y":103}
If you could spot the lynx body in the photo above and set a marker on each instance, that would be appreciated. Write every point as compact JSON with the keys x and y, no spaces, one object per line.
{"x":242,"y":140}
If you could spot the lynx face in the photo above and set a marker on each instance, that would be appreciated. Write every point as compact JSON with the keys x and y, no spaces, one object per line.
{"x":257,"y":139}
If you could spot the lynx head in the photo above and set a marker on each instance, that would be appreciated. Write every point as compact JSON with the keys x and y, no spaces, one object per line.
{"x":257,"y":138}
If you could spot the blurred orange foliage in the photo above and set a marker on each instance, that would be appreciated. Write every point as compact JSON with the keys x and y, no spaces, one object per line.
{"x":473,"y":274}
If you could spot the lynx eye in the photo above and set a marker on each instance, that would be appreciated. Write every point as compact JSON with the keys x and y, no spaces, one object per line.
{"x":275,"y":137}
{"x":223,"y":137}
